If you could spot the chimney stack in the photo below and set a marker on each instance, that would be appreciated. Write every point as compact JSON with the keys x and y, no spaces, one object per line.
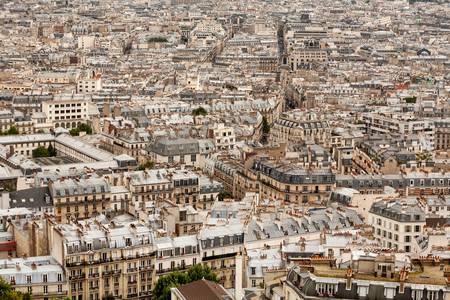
{"x":348,"y":277}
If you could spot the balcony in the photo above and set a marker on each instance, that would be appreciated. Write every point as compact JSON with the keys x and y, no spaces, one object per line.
{"x":131,"y":270}
{"x":94,"y":275}
{"x":141,"y":268}
{"x":77,"y":277}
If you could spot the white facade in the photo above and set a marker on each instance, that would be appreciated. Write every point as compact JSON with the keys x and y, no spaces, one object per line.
{"x":67,"y":113}
{"x":224,"y":137}
{"x":392,"y":233}
{"x":86,"y":42}
{"x":87,"y":86}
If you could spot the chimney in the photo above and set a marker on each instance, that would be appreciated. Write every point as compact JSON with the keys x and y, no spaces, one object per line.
{"x":403,"y":277}
{"x":239,"y":292}
{"x":323,"y":237}
{"x":348,"y":277}
{"x":302,"y":244}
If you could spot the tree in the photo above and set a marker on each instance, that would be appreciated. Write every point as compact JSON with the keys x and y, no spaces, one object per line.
{"x":412,"y":99}
{"x":265,"y":129}
{"x":199,"y":112}
{"x":223,"y":195}
{"x":51,"y":150}
{"x":265,"y":125}
{"x":85,"y":127}
{"x":81,"y":127}
{"x":74,"y":131}
{"x":40,"y":151}
{"x":7,"y":293}
{"x":12,"y":130}
{"x":149,"y":164}
{"x":108,"y":297}
{"x":198,"y":272}
{"x":157,"y":39}
{"x":165,"y":283}
{"x":177,"y":278}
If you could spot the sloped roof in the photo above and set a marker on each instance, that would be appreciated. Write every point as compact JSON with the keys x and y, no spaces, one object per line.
{"x":203,"y":290}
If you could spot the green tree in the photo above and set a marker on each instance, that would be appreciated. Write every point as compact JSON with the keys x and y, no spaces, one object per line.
{"x":157,"y":39}
{"x":40,"y":151}
{"x":108,"y":297}
{"x":85,"y":127}
{"x":177,"y":278}
{"x":74,"y":131}
{"x":198,"y":272}
{"x":412,"y":99}
{"x":199,"y":112}
{"x":12,"y":130}
{"x":81,"y":127}
{"x":7,"y":293}
{"x":223,"y":195}
{"x":51,"y":150}
{"x":265,"y":126}
{"x":149,"y":164}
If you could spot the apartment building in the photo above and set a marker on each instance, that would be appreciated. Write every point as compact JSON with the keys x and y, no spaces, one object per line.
{"x":178,"y":253}
{"x":132,"y":145}
{"x":305,"y":57}
{"x":413,"y":183}
{"x":6,"y":120}
{"x":442,"y":134}
{"x":148,"y":185}
{"x":79,"y":198}
{"x":223,"y":136}
{"x":370,"y":276}
{"x":287,"y":182}
{"x":297,"y":129}
{"x":379,"y":123}
{"x":108,"y":258}
{"x":186,"y":188}
{"x":221,"y":248}
{"x":40,"y":276}
{"x":397,"y":222}
{"x":175,"y":151}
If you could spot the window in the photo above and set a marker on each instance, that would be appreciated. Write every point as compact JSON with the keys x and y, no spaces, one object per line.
{"x":407,"y":238}
{"x":253,"y":270}
{"x":407,"y":228}
{"x":44,"y":278}
{"x":45,"y":289}
{"x":417,"y":228}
